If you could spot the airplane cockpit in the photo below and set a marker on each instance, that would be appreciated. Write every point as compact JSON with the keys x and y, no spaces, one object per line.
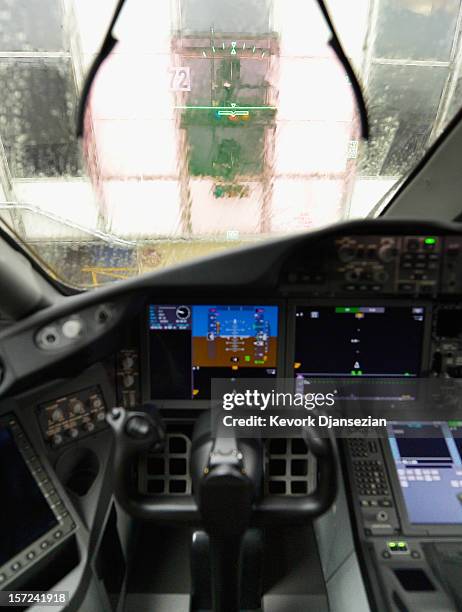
{"x":230,"y":306}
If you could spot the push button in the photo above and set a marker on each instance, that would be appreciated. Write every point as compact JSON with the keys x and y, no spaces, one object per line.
{"x":406,"y":287}
{"x":413,"y":244}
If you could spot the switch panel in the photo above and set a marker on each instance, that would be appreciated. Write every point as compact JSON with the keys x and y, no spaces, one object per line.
{"x":422,"y":266}
{"x":72,"y":417}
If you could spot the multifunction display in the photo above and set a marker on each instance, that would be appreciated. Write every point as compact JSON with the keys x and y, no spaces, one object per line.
{"x":192,"y":344}
{"x":26,"y":514}
{"x":360,"y":341}
{"x":428,"y":459}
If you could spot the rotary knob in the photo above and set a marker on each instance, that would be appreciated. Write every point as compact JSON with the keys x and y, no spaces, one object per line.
{"x":57,"y":439}
{"x":97,"y":403}
{"x":346,"y":253}
{"x":128,"y":380}
{"x":387,"y":253}
{"x":73,"y":433}
{"x":353,"y":275}
{"x":128,"y":362}
{"x":57,"y":415}
{"x":78,"y":407}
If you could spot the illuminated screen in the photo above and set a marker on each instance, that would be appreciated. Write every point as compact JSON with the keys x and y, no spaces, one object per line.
{"x":367,"y":341}
{"x":428,"y":459}
{"x":25,"y":513}
{"x":192,"y":344}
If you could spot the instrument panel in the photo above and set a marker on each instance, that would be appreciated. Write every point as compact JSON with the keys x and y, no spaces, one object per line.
{"x":425,"y":266}
{"x":291,"y":339}
{"x":348,"y":305}
{"x":72,"y":417}
{"x":362,"y":319}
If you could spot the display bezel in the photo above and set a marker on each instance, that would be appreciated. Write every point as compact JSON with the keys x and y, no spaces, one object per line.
{"x":197,"y":403}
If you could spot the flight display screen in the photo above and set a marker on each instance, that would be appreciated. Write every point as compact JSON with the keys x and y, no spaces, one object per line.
{"x":428,"y":460}
{"x":25,"y":513}
{"x":192,"y":344}
{"x":365,"y":341}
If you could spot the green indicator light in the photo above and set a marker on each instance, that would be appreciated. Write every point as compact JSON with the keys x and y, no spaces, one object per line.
{"x":259,"y":362}
{"x":406,"y":374}
{"x":392,"y":545}
{"x":402,"y":545}
{"x":247,"y":358}
{"x":360,"y":372}
{"x":346,"y":309}
{"x":430,"y":240}
{"x":353,"y":372}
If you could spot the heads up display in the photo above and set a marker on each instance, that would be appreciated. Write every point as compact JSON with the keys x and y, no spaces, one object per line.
{"x":365,"y":341}
{"x":189,"y":345}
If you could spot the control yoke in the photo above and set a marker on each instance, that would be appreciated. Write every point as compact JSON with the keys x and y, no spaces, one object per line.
{"x":227,"y":475}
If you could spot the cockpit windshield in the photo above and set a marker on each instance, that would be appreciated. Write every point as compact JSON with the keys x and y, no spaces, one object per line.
{"x":212,"y":123}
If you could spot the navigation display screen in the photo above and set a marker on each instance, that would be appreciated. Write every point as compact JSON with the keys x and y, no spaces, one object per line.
{"x":366,"y":341}
{"x":192,"y":344}
{"x":428,"y":459}
{"x":25,"y":513}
